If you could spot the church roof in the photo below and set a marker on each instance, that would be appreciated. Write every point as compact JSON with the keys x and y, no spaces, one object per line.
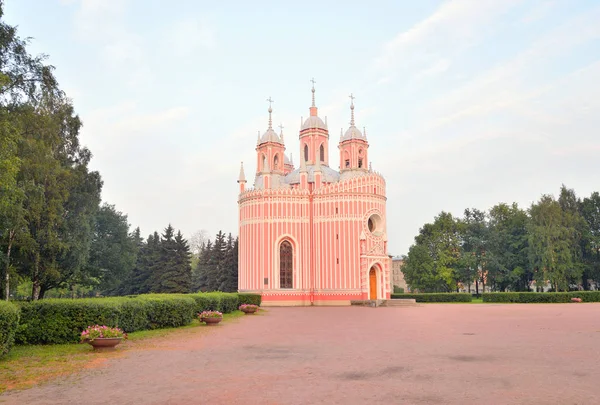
{"x":328,"y":175}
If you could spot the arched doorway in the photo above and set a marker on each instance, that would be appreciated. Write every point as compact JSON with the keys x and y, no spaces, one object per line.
{"x":286,"y":265}
{"x":373,"y":283}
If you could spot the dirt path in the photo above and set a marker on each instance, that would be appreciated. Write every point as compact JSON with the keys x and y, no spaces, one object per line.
{"x":433,"y":354}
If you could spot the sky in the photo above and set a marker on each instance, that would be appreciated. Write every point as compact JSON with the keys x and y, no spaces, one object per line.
{"x":467,"y":103}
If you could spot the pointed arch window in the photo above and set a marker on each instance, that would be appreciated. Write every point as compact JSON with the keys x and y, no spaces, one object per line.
{"x":276,"y":162}
{"x":305,"y":153}
{"x":286,"y":265}
{"x":264,"y":162}
{"x":322,"y":153}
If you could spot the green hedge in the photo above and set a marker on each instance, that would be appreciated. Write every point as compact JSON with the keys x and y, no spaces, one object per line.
{"x":548,"y":297}
{"x":9,"y":321}
{"x":435,"y":297}
{"x":216,"y":301}
{"x":247,"y":298}
{"x":52,"y":321}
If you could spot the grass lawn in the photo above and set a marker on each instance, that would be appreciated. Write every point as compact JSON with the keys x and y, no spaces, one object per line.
{"x":26,"y":366}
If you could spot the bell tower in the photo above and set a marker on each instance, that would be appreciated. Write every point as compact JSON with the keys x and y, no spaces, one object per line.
{"x":314,"y":137}
{"x":353,"y":146}
{"x":270,"y":149}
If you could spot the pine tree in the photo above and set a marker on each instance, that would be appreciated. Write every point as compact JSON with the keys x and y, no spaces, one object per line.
{"x":227,"y":267}
{"x":183,"y":269}
{"x":215,"y":262}
{"x":201,"y":273}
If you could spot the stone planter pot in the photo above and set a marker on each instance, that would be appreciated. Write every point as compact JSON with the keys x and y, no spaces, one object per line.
{"x":211,"y":321}
{"x":104,"y":343}
{"x":249,"y":311}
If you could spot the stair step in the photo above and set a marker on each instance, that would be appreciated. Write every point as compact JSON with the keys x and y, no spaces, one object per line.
{"x":402,"y":302}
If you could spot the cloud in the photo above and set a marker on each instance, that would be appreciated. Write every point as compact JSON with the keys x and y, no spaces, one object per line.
{"x":506,"y":85}
{"x":455,"y":24}
{"x":102,"y":23}
{"x":192,"y":35}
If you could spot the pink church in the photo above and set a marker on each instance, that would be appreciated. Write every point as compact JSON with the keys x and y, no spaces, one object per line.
{"x":313,"y":235}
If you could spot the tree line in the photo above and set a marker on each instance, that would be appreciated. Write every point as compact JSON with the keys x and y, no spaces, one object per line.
{"x":554,"y":242}
{"x":56,"y":236}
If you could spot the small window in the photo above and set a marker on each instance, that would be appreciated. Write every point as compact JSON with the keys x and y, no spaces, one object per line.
{"x":347,"y":162}
{"x":322,"y":153}
{"x":276,"y":162}
{"x":306,"y":153}
{"x":359,"y":163}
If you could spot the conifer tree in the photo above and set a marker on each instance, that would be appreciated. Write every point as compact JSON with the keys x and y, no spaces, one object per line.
{"x":216,"y":262}
{"x":227,"y":267}
{"x":201,"y":274}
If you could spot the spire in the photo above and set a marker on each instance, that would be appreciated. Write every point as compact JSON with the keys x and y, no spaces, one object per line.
{"x":365,"y":132}
{"x":258,"y":139}
{"x":370,"y":167}
{"x":341,"y":134}
{"x":242,"y":177}
{"x":313,"y":107}
{"x":291,"y":159}
{"x":351,"y":110}
{"x":270,"y":111}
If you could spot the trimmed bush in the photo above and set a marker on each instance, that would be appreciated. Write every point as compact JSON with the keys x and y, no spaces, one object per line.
{"x":216,"y":301}
{"x":53,"y":321}
{"x":207,"y":301}
{"x":547,"y":297}
{"x":435,"y":297}
{"x":168,"y":310}
{"x":246,"y":298}
{"x":62,"y":320}
{"x":9,"y":321}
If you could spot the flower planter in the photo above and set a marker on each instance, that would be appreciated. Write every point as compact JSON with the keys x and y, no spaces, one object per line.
{"x":211,"y":321}
{"x":248,"y":308}
{"x":104,"y":343}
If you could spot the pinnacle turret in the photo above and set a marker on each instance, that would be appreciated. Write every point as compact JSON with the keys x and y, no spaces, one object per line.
{"x":242,"y":177}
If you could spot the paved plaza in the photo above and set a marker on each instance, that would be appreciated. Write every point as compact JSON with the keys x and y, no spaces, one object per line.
{"x":431,"y":354}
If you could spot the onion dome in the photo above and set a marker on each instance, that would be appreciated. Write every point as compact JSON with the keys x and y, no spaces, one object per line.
{"x":270,"y":135}
{"x":353,"y":132}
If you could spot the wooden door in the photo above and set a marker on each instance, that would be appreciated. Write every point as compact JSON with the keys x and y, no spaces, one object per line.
{"x":373,"y":284}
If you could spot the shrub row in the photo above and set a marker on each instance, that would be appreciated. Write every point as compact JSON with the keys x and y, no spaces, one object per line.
{"x":53,"y":321}
{"x":547,"y":297}
{"x":436,"y":297}
{"x":9,"y":321}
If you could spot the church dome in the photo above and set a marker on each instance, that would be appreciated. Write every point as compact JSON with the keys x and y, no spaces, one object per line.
{"x":328,"y":175}
{"x":353,"y":133}
{"x":313,"y":122}
{"x":286,"y":160}
{"x":270,"y":136}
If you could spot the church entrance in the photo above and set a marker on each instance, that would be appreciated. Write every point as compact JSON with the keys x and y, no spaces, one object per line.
{"x":373,"y":283}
